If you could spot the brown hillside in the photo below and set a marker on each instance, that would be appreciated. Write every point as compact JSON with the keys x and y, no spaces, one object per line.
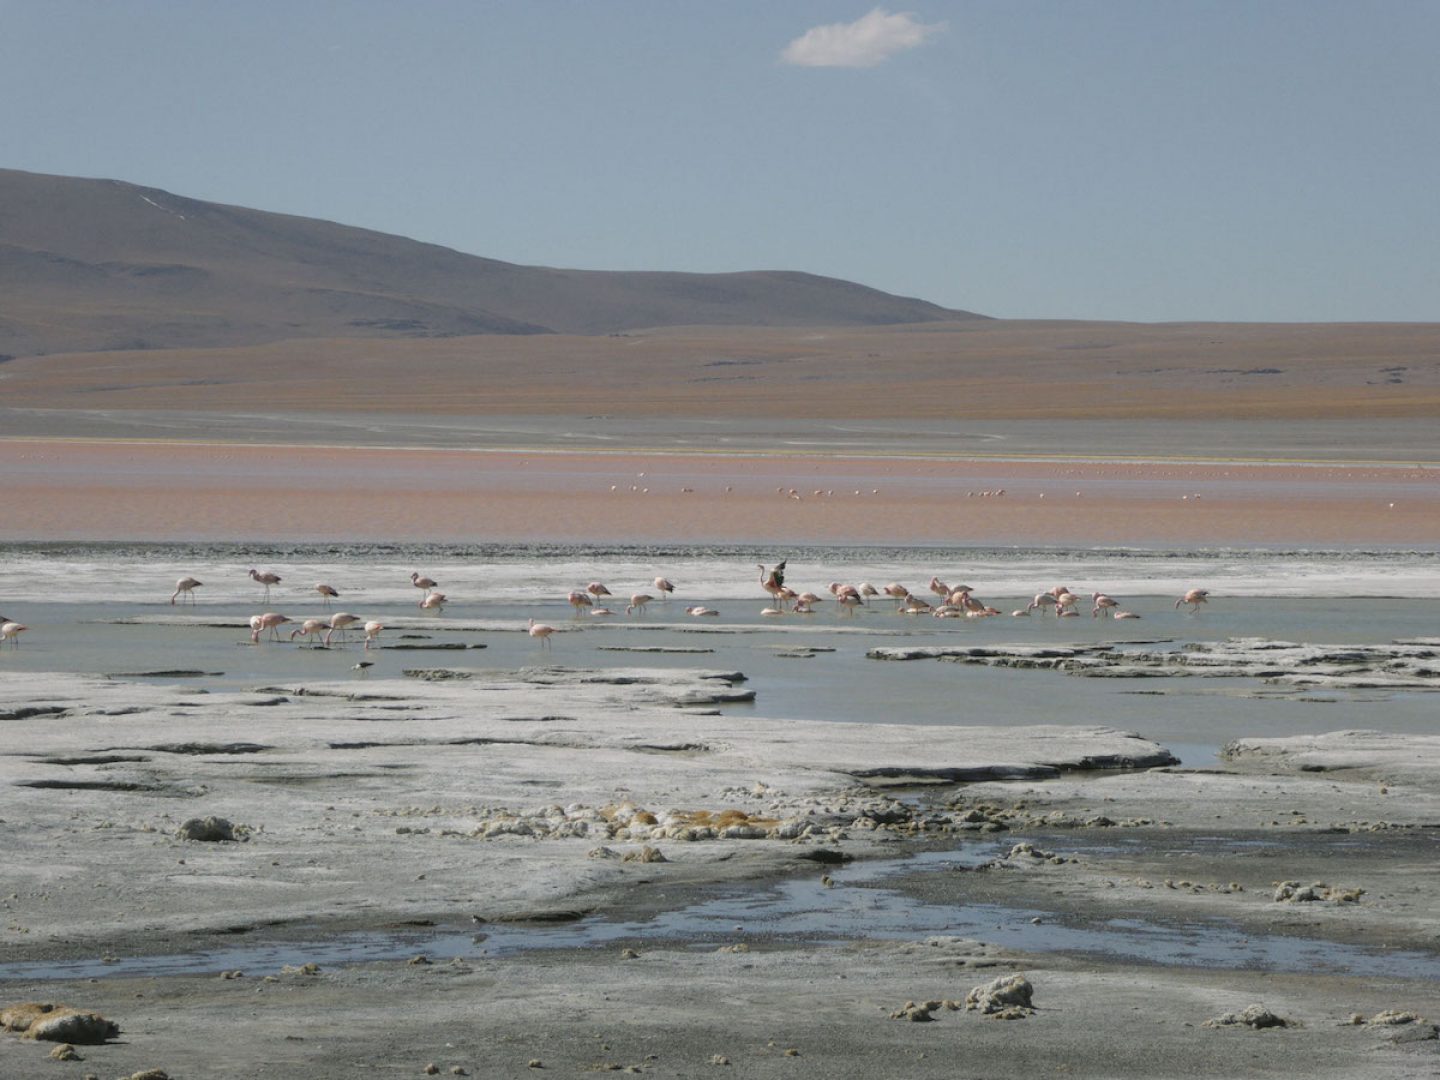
{"x":101,"y":265}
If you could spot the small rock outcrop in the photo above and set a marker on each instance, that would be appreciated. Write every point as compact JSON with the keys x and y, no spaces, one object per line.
{"x":207,"y":829}
{"x":1256,"y":1016}
{"x":1010,"y":997}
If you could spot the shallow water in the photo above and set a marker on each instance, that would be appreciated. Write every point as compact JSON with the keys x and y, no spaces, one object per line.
{"x":73,"y":598}
{"x":807,"y":910}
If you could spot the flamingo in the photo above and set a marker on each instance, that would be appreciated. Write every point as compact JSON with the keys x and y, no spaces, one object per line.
{"x":599,"y":611}
{"x":579,"y":599}
{"x":849,"y":601}
{"x":664,"y":587}
{"x":422,"y":582}
{"x":340,"y":621}
{"x":1126,"y":615}
{"x":773,"y":582}
{"x":772,"y":611}
{"x":372,"y":632}
{"x":267,"y":579}
{"x":1065,"y":604}
{"x":434,"y":601}
{"x":10,"y":632}
{"x":939,"y":588}
{"x":309,"y":628}
{"x":914,"y":605}
{"x":1044,"y":599}
{"x":326,"y":593}
{"x":595,"y":588}
{"x":699,"y":610}
{"x":542,"y":631}
{"x":1104,"y":605}
{"x":866,"y":589}
{"x":639,"y":600}
{"x":1194,"y":597}
{"x":802,"y":607}
{"x":269,"y":621}
{"x":186,"y":585}
{"x":896,"y":591}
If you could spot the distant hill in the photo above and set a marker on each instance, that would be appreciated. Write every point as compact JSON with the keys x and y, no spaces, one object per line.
{"x":100,"y":265}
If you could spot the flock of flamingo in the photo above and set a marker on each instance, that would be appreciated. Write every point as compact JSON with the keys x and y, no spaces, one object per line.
{"x":951,"y":601}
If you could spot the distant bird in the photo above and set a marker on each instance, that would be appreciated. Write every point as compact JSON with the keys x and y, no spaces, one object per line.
{"x":362,"y":666}
{"x":267,"y":579}
{"x":866,"y":589}
{"x":599,"y":611}
{"x":772,"y":611}
{"x":326,"y":593}
{"x":11,"y":631}
{"x":1104,"y":605}
{"x":664,"y":587}
{"x":422,"y":582}
{"x":596,"y":588}
{"x":269,"y":621}
{"x":699,"y":610}
{"x":579,"y":599}
{"x":434,"y":601}
{"x":340,"y":621}
{"x":372,"y":632}
{"x":638,"y":602}
{"x":542,"y":631}
{"x":186,"y":585}
{"x":939,"y":588}
{"x":849,"y":601}
{"x":1194,"y":597}
{"x":309,"y":628}
{"x":1126,"y":615}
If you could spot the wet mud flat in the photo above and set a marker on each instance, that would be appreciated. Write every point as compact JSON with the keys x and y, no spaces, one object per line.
{"x":565,"y":870}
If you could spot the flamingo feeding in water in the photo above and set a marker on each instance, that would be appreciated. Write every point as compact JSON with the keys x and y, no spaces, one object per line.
{"x":187,"y":586}
{"x":1104,"y":605}
{"x":11,"y":632}
{"x":1194,"y":597}
{"x":372,"y":632}
{"x":326,"y":593}
{"x":699,"y":610}
{"x":309,"y":628}
{"x":638,"y":602}
{"x":542,"y":631}
{"x":269,"y":621}
{"x":340,"y":621}
{"x":267,"y":579}
{"x":579,"y":600}
{"x":434,"y":601}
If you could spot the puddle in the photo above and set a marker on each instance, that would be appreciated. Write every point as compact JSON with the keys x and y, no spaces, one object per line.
{"x":805,"y":910}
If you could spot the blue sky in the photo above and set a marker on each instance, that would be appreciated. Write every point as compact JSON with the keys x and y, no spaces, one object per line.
{"x":1149,"y":160}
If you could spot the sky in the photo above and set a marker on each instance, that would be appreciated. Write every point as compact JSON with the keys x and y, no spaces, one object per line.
{"x":1146,"y":160}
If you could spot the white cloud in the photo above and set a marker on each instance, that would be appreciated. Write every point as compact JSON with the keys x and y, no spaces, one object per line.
{"x":867,"y":41}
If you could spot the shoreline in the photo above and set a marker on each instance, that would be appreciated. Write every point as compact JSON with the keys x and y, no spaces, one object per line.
{"x":67,"y":489}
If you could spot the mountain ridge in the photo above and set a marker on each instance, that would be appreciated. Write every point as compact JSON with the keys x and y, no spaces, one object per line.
{"x":91,"y":265}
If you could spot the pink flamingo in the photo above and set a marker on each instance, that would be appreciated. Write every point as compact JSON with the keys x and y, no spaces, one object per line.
{"x":326,"y":593}
{"x":422,"y":582}
{"x":308,"y":629}
{"x":186,"y":585}
{"x":1104,"y":605}
{"x":269,"y":621}
{"x":542,"y":631}
{"x":595,"y":588}
{"x":340,"y":621}
{"x":267,"y":579}
{"x":700,"y":610}
{"x":939,"y":588}
{"x":1044,"y":599}
{"x":372,"y":632}
{"x":434,"y":601}
{"x":1126,"y":615}
{"x":773,"y":582}
{"x":579,"y":600}
{"x":664,"y":587}
{"x":11,"y":632}
{"x":1194,"y":597}
{"x":638,"y":602}
{"x":896,"y":591}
